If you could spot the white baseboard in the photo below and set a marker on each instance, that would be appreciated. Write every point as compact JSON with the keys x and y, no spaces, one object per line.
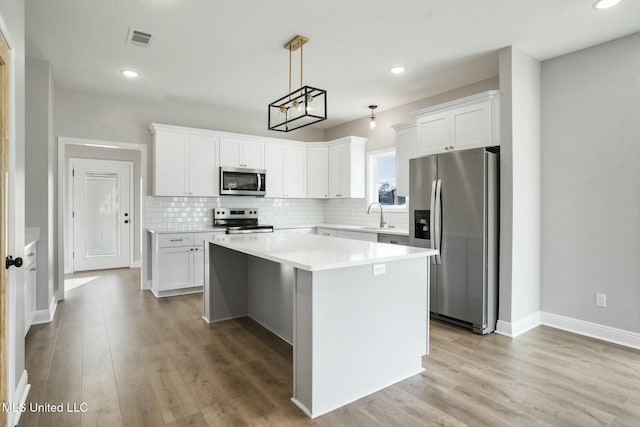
{"x":22,"y":390}
{"x":46,"y":316}
{"x":136,"y":264}
{"x":519,"y":327}
{"x":593,"y":330}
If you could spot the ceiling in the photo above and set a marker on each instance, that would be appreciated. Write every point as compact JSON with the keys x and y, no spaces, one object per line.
{"x":230,"y":54}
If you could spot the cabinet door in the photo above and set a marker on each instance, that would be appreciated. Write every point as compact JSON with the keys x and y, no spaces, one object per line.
{"x":198,"y":265}
{"x":252,"y":155}
{"x":170,"y":165}
{"x":367,"y":237}
{"x":405,"y":149}
{"x":274,"y":164}
{"x":295,"y":172}
{"x":175,"y":268}
{"x":203,"y":166}
{"x":338,"y":159}
{"x":353,"y":235}
{"x":434,"y":134}
{"x":230,"y":152}
{"x":318,"y":172}
{"x":472,"y":126}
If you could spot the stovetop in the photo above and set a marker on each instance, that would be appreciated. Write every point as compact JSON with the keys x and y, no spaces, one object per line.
{"x":239,"y":221}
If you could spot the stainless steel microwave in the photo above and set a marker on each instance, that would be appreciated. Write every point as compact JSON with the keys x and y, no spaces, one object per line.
{"x":242,"y":181}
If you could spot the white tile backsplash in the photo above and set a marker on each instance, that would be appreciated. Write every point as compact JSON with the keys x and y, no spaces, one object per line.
{"x":354,"y":212}
{"x":164,"y":213}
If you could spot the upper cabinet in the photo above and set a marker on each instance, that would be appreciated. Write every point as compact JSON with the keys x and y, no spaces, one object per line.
{"x":406,"y":147}
{"x":187,"y":161}
{"x":286,"y":166}
{"x":347,"y":167}
{"x":184,"y":162}
{"x":318,"y":171}
{"x":241,"y":153}
{"x":458,"y":125}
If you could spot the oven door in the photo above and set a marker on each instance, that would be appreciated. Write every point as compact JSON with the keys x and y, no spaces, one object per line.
{"x":242,"y":181}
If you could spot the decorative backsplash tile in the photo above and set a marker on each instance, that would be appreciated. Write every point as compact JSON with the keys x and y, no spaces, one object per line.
{"x":196,"y":212}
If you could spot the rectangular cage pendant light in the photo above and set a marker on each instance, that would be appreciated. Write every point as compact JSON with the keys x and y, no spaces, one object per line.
{"x":301,"y":107}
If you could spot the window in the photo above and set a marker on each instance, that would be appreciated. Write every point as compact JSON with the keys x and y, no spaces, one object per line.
{"x":382,"y":179}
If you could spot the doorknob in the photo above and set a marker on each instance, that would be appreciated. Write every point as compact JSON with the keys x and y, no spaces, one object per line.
{"x":10,"y":261}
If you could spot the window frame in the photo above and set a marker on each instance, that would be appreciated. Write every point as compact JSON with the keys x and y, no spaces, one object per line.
{"x":372,"y":174}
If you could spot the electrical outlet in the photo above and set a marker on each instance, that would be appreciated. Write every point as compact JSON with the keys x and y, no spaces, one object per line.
{"x":601,"y":300}
{"x":379,"y":269}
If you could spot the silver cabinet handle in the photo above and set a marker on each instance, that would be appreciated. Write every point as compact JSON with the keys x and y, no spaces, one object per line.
{"x":176,"y":240}
{"x":438,"y":216}
{"x":32,"y":269}
{"x":31,"y":254}
{"x":432,"y":217}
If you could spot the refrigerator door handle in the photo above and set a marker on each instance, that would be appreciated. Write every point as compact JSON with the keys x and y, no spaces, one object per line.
{"x":438,"y":222}
{"x":432,"y":216}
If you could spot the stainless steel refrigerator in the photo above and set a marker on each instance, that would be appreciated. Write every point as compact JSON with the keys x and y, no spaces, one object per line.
{"x":454,"y":207}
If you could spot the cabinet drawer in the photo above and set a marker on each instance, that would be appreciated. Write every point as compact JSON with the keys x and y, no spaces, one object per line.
{"x":369,"y":237}
{"x":393,"y":239}
{"x":30,"y":254}
{"x":326,"y":232}
{"x":174,"y":240}
{"x":347,"y":234}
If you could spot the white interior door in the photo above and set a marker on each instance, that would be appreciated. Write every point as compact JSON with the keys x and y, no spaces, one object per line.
{"x":101,"y":215}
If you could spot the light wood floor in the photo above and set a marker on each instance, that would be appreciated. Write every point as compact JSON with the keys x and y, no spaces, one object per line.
{"x":141,"y":361}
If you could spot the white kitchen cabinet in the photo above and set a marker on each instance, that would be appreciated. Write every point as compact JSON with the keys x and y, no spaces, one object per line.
{"x":405,"y":141}
{"x":354,"y":235}
{"x":241,"y":153}
{"x":318,"y":172}
{"x":286,"y":167}
{"x":461,"y":124}
{"x":185,"y":163}
{"x":177,"y":263}
{"x":347,"y":167}
{"x":30,"y":284}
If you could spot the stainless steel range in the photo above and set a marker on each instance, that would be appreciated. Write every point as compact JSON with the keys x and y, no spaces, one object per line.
{"x":239,"y":221}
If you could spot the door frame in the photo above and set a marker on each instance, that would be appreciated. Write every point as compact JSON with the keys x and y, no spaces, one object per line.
{"x":15,"y":236}
{"x":71,"y":229}
{"x":63,"y":182}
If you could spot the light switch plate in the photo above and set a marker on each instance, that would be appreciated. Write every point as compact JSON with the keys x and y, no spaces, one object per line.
{"x":601,"y":300}
{"x":379,"y":269}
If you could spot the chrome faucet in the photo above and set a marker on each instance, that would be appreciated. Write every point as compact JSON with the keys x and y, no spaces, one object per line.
{"x":382,"y":223}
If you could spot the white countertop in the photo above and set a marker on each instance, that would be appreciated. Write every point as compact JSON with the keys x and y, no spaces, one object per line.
{"x":314,"y":253}
{"x":366,"y":229}
{"x":187,"y":230}
{"x":360,"y":228}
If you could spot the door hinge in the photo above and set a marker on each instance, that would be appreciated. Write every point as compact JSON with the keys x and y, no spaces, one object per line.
{"x":73,"y":172}
{"x":73,"y":214}
{"x":73,"y":254}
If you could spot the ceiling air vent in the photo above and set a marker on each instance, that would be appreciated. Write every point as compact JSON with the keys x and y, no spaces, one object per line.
{"x":138,"y":38}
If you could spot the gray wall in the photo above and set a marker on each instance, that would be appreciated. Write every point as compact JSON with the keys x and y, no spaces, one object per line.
{"x":40,"y":176}
{"x":590,"y":194}
{"x":84,"y":152}
{"x":383,"y":135}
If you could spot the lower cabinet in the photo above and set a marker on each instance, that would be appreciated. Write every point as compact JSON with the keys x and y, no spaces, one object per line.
{"x":177,"y":264}
{"x":30,"y":284}
{"x":357,"y":235}
{"x":326,"y":232}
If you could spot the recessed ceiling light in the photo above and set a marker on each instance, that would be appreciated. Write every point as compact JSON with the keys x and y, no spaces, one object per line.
{"x":605,"y":4}
{"x":129,"y":73}
{"x":397,"y":70}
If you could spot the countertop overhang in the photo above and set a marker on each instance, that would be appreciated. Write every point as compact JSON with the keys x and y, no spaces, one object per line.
{"x":315,"y":253}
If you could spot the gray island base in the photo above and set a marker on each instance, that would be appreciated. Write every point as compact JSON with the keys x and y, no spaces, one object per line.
{"x":354,"y":311}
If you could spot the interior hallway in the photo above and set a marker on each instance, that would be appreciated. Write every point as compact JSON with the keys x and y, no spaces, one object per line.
{"x":141,"y":361}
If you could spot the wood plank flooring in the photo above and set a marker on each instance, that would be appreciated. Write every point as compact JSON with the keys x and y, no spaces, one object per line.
{"x":140,"y":361}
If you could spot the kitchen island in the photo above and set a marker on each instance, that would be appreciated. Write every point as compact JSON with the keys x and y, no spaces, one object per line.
{"x":355,"y":312}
